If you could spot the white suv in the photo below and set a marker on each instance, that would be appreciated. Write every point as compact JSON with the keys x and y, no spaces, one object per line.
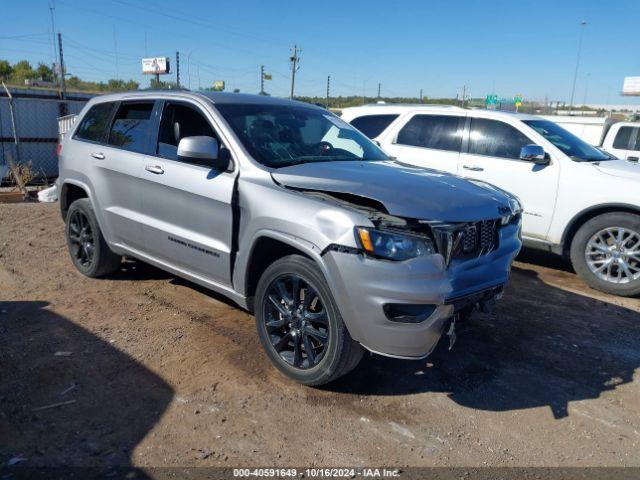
{"x":578,"y":200}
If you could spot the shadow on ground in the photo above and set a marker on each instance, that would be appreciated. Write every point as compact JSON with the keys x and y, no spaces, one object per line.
{"x":542,"y":347}
{"x":46,"y":359}
{"x":545,"y":259}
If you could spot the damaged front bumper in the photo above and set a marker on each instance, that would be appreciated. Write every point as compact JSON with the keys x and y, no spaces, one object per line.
{"x":400,"y":309}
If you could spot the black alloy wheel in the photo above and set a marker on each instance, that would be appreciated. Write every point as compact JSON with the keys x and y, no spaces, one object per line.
{"x":296,"y":321}
{"x":81,"y":239}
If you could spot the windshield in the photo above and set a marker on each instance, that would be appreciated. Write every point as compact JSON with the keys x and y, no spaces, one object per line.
{"x":571,"y":145}
{"x":283,"y":135}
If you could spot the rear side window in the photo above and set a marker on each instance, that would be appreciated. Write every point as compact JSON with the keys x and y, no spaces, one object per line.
{"x":132,"y":126}
{"x":373,"y":125}
{"x":440,"y":132}
{"x":636,"y":143}
{"x":622,"y":138}
{"x":95,"y":123}
{"x":495,"y":139}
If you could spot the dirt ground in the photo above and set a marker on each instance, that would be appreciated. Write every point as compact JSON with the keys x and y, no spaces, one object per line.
{"x":159,"y":372}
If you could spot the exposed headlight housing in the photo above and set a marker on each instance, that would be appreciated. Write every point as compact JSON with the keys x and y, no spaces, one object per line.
{"x":393,"y":245}
{"x":516,"y":209}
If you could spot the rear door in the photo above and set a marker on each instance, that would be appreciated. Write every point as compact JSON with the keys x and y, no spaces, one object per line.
{"x":117,"y":158}
{"x":427,"y":140}
{"x":189,"y":218}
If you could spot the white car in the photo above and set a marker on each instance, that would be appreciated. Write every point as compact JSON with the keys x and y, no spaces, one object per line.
{"x":578,"y":200}
{"x":621,"y":139}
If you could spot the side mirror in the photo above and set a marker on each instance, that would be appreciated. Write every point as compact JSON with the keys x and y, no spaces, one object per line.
{"x":203,"y":151}
{"x":535,"y":154}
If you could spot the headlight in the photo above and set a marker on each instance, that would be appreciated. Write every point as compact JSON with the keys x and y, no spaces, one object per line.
{"x":516,"y":206}
{"x":393,"y":245}
{"x":516,"y":209}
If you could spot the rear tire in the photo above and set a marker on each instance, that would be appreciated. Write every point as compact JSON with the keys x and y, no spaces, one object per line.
{"x":88,"y":249}
{"x":308,"y":318}
{"x":601,"y":253}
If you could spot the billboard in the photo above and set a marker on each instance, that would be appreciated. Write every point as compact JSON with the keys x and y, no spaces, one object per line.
{"x":631,"y":86}
{"x":155,"y":66}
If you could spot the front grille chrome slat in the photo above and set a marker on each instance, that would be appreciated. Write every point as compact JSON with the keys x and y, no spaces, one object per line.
{"x":469,"y":240}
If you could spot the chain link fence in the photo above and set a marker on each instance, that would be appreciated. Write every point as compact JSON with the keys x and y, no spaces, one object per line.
{"x":33,"y":140}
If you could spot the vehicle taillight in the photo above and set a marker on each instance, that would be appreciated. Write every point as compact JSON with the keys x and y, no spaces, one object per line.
{"x":59,"y":149}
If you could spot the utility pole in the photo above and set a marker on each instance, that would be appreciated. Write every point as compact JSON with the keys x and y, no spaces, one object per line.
{"x":295,"y":59}
{"x":63,"y":85}
{"x":115,"y":51}
{"x":328,"y":84}
{"x":52,"y":7}
{"x":583,"y":23}
{"x":464,"y":94}
{"x":420,"y":95}
{"x":261,"y":79}
{"x":379,"y":84}
{"x":178,"y":69}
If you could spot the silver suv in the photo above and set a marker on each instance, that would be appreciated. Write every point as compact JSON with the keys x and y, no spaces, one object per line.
{"x":290,"y":212}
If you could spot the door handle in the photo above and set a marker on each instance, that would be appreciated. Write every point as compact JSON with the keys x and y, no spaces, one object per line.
{"x":98,"y":155}
{"x":474,"y":168}
{"x":633,"y":159}
{"x":157,"y":169}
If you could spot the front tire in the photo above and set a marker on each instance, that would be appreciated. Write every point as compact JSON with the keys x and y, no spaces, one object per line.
{"x":605,"y":253}
{"x":88,"y":249}
{"x":299,"y":324}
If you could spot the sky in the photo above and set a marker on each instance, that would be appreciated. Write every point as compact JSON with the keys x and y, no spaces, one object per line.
{"x":502,"y":47}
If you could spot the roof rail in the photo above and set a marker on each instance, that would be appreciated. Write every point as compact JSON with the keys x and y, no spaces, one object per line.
{"x":433,"y":105}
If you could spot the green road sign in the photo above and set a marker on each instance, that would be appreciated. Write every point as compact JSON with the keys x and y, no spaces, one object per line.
{"x":492,"y":99}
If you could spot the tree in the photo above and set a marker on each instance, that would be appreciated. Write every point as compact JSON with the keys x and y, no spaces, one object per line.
{"x":162,"y":85}
{"x":74,"y":82}
{"x":131,"y":85}
{"x":5,"y":70}
{"x":22,"y":70}
{"x":44,"y":72}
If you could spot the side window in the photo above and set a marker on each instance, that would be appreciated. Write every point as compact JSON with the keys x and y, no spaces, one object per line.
{"x":495,"y":139}
{"x":636,"y":144}
{"x":622,"y":138}
{"x":131,"y":127}
{"x":373,"y":125}
{"x":178,"y":121}
{"x":95,"y":123}
{"x":432,"y":131}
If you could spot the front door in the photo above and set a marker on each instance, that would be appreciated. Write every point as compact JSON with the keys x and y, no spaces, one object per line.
{"x":427,"y":140}
{"x":189,"y":218}
{"x":492,"y":154}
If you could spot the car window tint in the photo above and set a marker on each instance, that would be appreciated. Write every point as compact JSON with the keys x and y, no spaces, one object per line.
{"x":180,"y":121}
{"x":636,"y":143}
{"x":373,"y":125}
{"x":131,"y":127}
{"x":622,"y":138}
{"x":495,"y":139}
{"x":432,"y":131}
{"x":95,"y":123}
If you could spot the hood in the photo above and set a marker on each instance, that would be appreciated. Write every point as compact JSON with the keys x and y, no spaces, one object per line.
{"x":405,"y":191}
{"x":620,"y":168}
